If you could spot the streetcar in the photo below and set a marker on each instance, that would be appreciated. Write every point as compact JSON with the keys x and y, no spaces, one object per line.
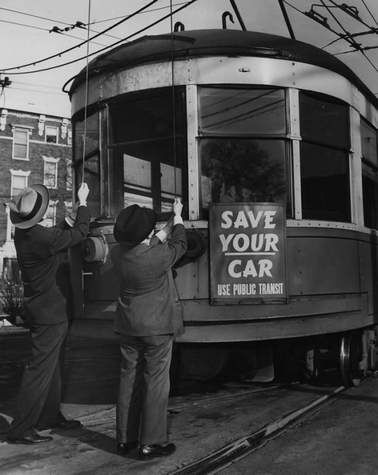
{"x":239,"y":119}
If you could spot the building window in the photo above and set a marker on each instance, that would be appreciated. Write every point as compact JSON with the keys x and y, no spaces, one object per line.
{"x":51,"y":134}
{"x":68,"y":174}
{"x":242,"y":146}
{"x":19,"y":181}
{"x":50,"y":172}
{"x":20,"y":143}
{"x":324,"y":125}
{"x":49,"y":219}
{"x":369,"y":147}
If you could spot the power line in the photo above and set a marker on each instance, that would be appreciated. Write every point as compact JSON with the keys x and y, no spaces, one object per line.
{"x":31,"y":15}
{"x":346,"y":33}
{"x":24,"y":24}
{"x":351,"y":41}
{"x":45,"y":19}
{"x":105,"y":48}
{"x":43,"y":29}
{"x":371,"y":14}
{"x":347,"y":36}
{"x":145,"y":11}
{"x":80,"y":44}
{"x":352,"y":35}
{"x":356,"y":51}
{"x":36,"y":90}
{"x":351,"y":11}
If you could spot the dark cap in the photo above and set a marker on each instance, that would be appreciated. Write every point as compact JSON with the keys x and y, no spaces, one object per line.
{"x":134,"y":224}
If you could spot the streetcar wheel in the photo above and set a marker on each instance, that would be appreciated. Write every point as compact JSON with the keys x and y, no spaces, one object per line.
{"x":350,"y":359}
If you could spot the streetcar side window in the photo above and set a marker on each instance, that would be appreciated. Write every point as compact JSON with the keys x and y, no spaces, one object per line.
{"x":149,"y":136}
{"x":324,"y":125}
{"x":243,"y":148}
{"x":369,"y":149}
{"x":86,"y":150}
{"x":92,"y":178}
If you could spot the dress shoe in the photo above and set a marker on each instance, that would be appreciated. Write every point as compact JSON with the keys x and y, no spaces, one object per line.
{"x":156,"y":450}
{"x":62,"y":424}
{"x":32,"y":438}
{"x":126,"y":448}
{"x":68,"y":424}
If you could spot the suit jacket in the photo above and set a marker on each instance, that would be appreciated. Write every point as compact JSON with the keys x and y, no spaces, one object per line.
{"x":148,"y":303}
{"x":39,"y":253}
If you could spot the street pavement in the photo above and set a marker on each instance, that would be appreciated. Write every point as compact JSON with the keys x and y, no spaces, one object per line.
{"x":202,"y":420}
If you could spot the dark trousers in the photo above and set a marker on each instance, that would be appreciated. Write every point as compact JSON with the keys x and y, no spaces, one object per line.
{"x":38,"y":402}
{"x":144,"y":389}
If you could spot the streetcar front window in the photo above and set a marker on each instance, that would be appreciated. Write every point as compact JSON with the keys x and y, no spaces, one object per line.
{"x":243,"y":146}
{"x":149,"y":137}
{"x":324,"y":125}
{"x":240,"y":170}
{"x":242,"y":111}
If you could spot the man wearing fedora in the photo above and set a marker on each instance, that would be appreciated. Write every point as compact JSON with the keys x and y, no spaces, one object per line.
{"x":38,"y":253}
{"x":148,"y":317}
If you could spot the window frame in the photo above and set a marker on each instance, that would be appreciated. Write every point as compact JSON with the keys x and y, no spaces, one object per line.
{"x":54,"y":161}
{"x":118,"y":148}
{"x":69,"y":166}
{"x":369,"y":168}
{"x":346,"y":149}
{"x":78,"y":161}
{"x":27,"y":131}
{"x":285,"y":137}
{"x":56,"y":128}
{"x":18,"y":173}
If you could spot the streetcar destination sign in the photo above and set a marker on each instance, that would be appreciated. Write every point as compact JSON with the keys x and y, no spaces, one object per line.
{"x":247,"y":252}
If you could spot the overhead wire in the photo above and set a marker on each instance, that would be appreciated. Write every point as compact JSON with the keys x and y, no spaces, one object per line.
{"x":24,"y":24}
{"x":33,"y":63}
{"x":103,"y":49}
{"x":369,"y":11}
{"x":15,"y":88}
{"x":352,"y":35}
{"x":45,"y":19}
{"x":145,"y":11}
{"x":304,"y":13}
{"x":351,"y":41}
{"x":366,"y":48}
{"x":344,"y":8}
{"x":340,"y":36}
{"x":63,"y":33}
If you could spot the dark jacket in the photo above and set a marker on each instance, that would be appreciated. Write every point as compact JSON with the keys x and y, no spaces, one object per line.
{"x":39,"y":253}
{"x":148,"y":303}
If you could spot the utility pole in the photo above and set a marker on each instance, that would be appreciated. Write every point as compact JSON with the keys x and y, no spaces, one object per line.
{"x":6,"y":82}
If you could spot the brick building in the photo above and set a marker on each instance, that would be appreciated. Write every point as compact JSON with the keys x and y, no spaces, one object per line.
{"x":34,"y":148}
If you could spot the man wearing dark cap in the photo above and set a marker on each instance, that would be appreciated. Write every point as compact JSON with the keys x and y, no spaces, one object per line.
{"x":148,"y":317}
{"x":38,"y":252}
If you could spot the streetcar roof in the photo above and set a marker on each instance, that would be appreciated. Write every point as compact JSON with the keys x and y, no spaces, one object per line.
{"x":216,"y":42}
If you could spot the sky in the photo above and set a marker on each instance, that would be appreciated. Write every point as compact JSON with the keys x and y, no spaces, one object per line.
{"x":25,"y":36}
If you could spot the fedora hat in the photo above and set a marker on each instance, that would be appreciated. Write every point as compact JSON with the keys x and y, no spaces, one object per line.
{"x":134,"y":224}
{"x":29,"y":206}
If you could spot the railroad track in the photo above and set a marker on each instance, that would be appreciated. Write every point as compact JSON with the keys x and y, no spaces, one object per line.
{"x":228,"y":454}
